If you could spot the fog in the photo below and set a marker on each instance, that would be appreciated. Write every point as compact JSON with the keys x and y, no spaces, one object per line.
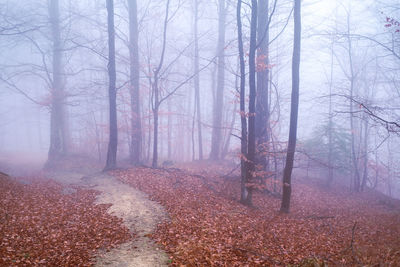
{"x":54,"y":86}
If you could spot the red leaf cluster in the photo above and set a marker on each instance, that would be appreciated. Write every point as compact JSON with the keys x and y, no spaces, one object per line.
{"x":209,"y":227}
{"x":44,"y":224}
{"x":392,"y":22}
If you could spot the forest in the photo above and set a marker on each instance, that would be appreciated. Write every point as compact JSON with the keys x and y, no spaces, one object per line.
{"x":200,"y":133}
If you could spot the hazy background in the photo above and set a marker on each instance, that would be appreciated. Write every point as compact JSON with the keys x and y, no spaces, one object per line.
{"x":25,"y":63}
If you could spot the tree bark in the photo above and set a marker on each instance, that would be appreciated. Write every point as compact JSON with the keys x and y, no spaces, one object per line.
{"x":287,"y":185}
{"x":262,"y":109}
{"x":330,"y":125}
{"x":136,"y":126}
{"x":354,"y":158}
{"x":154,"y":163}
{"x":156,"y":103}
{"x":169,"y":131}
{"x":217,"y":113}
{"x":243,"y":120}
{"x":58,"y":144}
{"x":365,"y":148}
{"x":251,"y":145}
{"x":197,"y":79}
{"x":112,"y":92}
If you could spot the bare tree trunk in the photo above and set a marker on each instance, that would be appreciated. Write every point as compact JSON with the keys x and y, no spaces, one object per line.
{"x":169,"y":131}
{"x":354,"y":159}
{"x":193,"y":129}
{"x":154,"y":163}
{"x":251,"y":145}
{"x":150,"y":103}
{"x":243,"y":119}
{"x":365,"y":147}
{"x":112,"y":92}
{"x":355,"y":175}
{"x":389,"y":168}
{"x":161,"y":137}
{"x":218,"y":107}
{"x":376,"y":169}
{"x":287,"y":175}
{"x":136,"y":125}
{"x":197,"y":79}
{"x":57,"y":136}
{"x":181,"y":140}
{"x":262,"y":109}
{"x":330,"y":125}
{"x":155,"y":88}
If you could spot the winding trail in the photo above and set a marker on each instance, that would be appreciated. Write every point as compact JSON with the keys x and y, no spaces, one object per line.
{"x":139,"y":214}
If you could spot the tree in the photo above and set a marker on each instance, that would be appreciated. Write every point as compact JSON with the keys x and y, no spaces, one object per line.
{"x":352,"y":78}
{"x":262,"y":108}
{"x":46,"y":65}
{"x":136,"y":127}
{"x":294,"y":107}
{"x":330,"y":123}
{"x":251,"y":142}
{"x":243,"y":119}
{"x":158,"y":94}
{"x":155,"y":90}
{"x":58,"y":136}
{"x":216,"y":139}
{"x":112,"y":91}
{"x":197,"y":78}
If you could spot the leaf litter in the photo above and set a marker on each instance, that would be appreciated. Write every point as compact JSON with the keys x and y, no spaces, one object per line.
{"x":209,"y":227}
{"x":44,"y":225}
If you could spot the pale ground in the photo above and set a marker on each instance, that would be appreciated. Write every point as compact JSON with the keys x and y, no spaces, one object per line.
{"x":139,"y":214}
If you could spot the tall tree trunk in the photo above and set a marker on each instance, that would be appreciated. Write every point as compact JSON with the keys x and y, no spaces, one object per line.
{"x":262,"y":109}
{"x":251,"y":145}
{"x":197,"y":79}
{"x":150,"y":103}
{"x":136,"y":125}
{"x":154,"y":163}
{"x":330,"y":125}
{"x":217,"y":112}
{"x":169,"y":131}
{"x":193,"y":128}
{"x":389,"y":167}
{"x":112,"y":92}
{"x":354,"y":158}
{"x":58,"y":145}
{"x":294,"y":107}
{"x":365,"y":148}
{"x":155,"y":89}
{"x":243,"y":119}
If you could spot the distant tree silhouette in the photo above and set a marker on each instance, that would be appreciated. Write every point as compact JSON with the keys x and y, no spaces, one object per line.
{"x":112,"y":91}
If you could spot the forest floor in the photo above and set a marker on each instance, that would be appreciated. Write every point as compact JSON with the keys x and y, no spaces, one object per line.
{"x":209,"y":227}
{"x":66,"y":221}
{"x":78,"y":218}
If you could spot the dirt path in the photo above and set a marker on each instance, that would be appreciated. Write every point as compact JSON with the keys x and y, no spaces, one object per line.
{"x":139,"y":214}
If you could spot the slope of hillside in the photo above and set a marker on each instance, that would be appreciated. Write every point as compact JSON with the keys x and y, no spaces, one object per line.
{"x":209,"y":227}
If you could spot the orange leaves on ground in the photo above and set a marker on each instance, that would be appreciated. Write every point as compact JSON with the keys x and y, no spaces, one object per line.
{"x":45,"y":224}
{"x":209,"y":227}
